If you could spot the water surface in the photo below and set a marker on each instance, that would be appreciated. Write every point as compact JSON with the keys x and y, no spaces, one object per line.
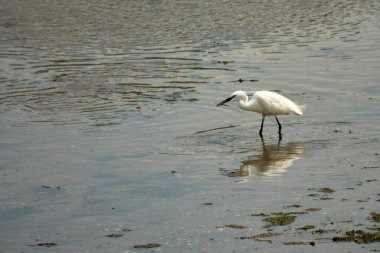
{"x":108,"y":121}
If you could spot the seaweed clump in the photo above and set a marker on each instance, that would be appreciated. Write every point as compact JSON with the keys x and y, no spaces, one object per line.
{"x":44,"y":244}
{"x":147,"y":246}
{"x":114,"y":235}
{"x":358,"y":236}
{"x":47,"y":244}
{"x":326,"y":190}
{"x":375,"y":216}
{"x":280,"y":220}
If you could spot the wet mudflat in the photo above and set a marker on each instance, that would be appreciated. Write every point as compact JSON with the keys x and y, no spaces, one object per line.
{"x":110,"y":140}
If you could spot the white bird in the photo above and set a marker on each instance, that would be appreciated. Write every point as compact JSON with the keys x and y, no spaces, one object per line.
{"x":267,"y":103}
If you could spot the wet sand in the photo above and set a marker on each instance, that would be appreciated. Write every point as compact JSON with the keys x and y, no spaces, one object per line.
{"x":110,"y":140}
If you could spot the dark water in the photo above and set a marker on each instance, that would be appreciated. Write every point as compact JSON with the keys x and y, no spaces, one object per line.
{"x":108,"y":121}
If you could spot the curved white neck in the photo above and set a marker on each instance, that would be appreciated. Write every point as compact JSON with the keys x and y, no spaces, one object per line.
{"x":243,"y":103}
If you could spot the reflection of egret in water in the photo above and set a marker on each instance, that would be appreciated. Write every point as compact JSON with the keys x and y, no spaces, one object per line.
{"x":273,"y":161}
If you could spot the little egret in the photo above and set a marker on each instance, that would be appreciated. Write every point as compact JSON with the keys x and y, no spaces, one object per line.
{"x":267,"y":103}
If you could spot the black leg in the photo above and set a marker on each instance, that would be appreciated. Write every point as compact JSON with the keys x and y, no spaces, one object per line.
{"x":262,"y":125}
{"x":263,"y":144}
{"x":279,"y":129}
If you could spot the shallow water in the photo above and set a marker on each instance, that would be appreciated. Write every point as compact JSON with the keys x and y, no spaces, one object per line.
{"x":108,"y":121}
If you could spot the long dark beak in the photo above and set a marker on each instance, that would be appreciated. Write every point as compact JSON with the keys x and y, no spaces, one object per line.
{"x":225,"y":101}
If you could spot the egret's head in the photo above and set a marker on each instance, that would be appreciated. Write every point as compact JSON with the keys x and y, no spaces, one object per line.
{"x":239,"y":94}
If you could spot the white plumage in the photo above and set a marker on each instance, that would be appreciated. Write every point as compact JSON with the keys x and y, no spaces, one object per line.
{"x":268,"y":103}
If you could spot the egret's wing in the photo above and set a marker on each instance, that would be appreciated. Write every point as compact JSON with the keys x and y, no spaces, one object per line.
{"x":276,"y":104}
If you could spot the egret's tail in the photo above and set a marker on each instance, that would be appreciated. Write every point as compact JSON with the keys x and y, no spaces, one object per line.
{"x":302,"y":109}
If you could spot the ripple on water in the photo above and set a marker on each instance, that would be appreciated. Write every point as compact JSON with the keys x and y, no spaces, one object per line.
{"x":104,"y":60}
{"x":99,"y":88}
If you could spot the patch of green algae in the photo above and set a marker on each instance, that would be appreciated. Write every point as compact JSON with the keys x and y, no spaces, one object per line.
{"x":280,"y":220}
{"x":358,"y":236}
